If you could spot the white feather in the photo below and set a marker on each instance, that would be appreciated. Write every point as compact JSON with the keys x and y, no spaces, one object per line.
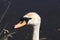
{"x":36,"y":21}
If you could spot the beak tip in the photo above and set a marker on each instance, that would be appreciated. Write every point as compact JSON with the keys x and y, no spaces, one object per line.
{"x":20,"y":25}
{"x":15,"y":26}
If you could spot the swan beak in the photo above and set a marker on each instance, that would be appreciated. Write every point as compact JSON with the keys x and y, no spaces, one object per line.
{"x":20,"y":24}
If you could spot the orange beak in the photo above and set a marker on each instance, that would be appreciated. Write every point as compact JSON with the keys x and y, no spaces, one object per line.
{"x":20,"y":24}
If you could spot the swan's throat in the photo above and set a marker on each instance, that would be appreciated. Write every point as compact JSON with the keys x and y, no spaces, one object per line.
{"x":36,"y":32}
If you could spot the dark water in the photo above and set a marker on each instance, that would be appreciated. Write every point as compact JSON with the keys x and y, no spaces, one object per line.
{"x":49,"y":10}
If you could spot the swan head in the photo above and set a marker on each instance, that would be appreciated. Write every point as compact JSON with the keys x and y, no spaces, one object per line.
{"x":31,"y":18}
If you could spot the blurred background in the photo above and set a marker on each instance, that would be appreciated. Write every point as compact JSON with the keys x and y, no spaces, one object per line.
{"x":49,"y":10}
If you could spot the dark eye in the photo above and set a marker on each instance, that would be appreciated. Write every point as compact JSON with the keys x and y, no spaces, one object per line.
{"x":29,"y":18}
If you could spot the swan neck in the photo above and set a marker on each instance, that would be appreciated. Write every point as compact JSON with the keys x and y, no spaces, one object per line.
{"x":36,"y":33}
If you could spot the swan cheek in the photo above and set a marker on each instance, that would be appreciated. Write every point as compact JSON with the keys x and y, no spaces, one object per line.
{"x":20,"y":24}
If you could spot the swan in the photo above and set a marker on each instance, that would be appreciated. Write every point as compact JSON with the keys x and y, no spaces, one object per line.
{"x":31,"y":18}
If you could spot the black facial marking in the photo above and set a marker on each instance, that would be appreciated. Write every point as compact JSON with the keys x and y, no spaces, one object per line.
{"x":25,"y":18}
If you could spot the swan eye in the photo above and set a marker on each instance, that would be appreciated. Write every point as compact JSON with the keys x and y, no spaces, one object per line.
{"x":29,"y":18}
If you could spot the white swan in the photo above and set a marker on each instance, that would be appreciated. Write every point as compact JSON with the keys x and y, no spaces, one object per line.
{"x":31,"y":18}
